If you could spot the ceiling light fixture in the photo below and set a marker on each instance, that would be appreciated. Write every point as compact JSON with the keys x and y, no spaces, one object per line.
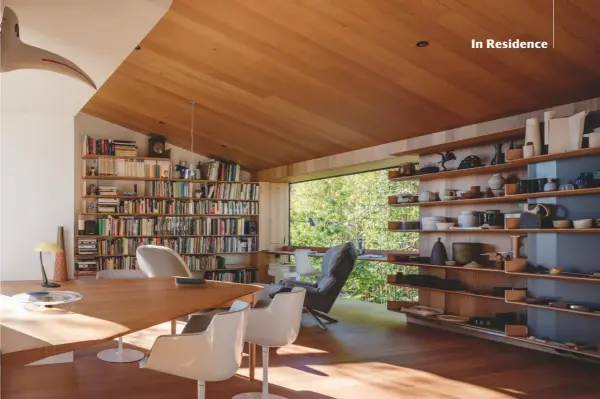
{"x":422,"y":43}
{"x":161,"y":123}
{"x":138,"y":47}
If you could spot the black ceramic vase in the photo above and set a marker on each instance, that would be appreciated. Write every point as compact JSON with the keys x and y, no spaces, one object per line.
{"x":438,"y":253}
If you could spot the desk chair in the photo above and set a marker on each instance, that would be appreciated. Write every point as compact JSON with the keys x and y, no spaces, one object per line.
{"x":273,"y":323}
{"x":208,"y":349}
{"x":120,"y":355}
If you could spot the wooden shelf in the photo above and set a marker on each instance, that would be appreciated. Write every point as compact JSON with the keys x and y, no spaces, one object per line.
{"x":462,"y":268}
{"x":124,"y":157}
{"x":452,"y":145}
{"x":491,"y":138}
{"x":182,"y":254}
{"x":494,"y":200}
{"x":489,"y":169}
{"x":134,"y":197}
{"x":132,"y":178}
{"x":504,"y":231}
{"x":166,"y":235}
{"x":466,"y":293}
{"x":574,"y":279}
{"x":546,"y":307}
{"x":499,"y":333}
{"x":165,"y":214}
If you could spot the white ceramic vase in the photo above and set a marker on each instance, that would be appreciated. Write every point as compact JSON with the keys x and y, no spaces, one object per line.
{"x":496,"y":182}
{"x":532,"y":135}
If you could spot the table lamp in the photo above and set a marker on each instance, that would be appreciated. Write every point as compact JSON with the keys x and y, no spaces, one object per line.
{"x":50,"y":247}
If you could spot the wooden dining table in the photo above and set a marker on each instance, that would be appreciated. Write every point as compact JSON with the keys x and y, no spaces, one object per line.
{"x":109,"y":309}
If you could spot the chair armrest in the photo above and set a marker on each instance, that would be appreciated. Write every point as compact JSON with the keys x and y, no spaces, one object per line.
{"x":296,"y":283}
{"x":198,"y":323}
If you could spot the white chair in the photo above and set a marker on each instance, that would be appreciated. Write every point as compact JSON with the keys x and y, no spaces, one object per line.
{"x":274,"y":325}
{"x":120,"y":355}
{"x":301,"y":267}
{"x":209,"y":349}
{"x":158,"y":261}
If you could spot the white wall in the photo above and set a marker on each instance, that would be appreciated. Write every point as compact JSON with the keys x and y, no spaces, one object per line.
{"x":38,"y":111}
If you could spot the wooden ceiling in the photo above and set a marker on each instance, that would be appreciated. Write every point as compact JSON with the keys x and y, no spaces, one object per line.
{"x":283,"y":81}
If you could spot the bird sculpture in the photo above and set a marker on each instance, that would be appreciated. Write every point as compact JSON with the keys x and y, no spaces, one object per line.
{"x":18,"y":55}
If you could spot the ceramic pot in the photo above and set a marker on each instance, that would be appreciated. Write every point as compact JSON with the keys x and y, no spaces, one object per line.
{"x":466,"y":252}
{"x":528,"y":150}
{"x":532,"y":135}
{"x":407,"y":169}
{"x":496,"y":182}
{"x":583,"y":181}
{"x":550,"y":185}
{"x":439,"y":255}
{"x":593,"y":139}
{"x":467,"y":219}
{"x":427,"y":196}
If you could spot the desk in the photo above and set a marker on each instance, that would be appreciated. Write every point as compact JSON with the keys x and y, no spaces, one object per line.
{"x":109,"y":309}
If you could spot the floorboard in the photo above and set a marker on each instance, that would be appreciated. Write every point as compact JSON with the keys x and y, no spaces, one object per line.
{"x":370,"y":353}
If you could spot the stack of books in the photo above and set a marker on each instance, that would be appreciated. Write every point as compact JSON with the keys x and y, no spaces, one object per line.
{"x":125,"y":148}
{"x":86,"y":266}
{"x":108,"y":205}
{"x":87,"y":246}
{"x":107,"y":191}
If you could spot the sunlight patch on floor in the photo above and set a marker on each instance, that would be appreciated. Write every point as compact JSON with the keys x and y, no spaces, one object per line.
{"x":299,"y":350}
{"x":391,"y":382}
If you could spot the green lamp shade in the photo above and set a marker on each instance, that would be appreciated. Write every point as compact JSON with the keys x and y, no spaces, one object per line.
{"x":47,"y":247}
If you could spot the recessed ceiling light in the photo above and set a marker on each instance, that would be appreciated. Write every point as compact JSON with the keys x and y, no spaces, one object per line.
{"x":161,"y":123}
{"x":223,"y":145}
{"x":423,"y":43}
{"x":138,"y":48}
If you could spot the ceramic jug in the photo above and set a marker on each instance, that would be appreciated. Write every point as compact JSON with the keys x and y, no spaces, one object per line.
{"x":467,"y":219}
{"x":496,"y":182}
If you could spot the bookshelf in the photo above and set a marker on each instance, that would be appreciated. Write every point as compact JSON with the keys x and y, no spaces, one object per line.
{"x":204,"y":212}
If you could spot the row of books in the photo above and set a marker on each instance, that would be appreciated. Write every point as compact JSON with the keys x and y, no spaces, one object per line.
{"x":183,"y":245}
{"x":122,"y":148}
{"x":156,"y":206}
{"x":228,"y":191}
{"x":235,"y":276}
{"x":91,"y":265}
{"x":175,"y":225}
{"x":133,"y":168}
{"x":216,"y":170}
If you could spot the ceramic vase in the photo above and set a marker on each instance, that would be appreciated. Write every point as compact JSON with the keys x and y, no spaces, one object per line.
{"x":532,"y":135}
{"x":439,"y":256}
{"x":528,"y":150}
{"x":576,"y":124}
{"x":496,"y":182}
{"x":547,"y":116}
{"x":60,"y":261}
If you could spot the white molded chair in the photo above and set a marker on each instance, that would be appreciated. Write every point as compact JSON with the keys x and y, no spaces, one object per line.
{"x":302,"y":266}
{"x":209,"y":349}
{"x":158,"y":261}
{"x":274,"y":325}
{"x":120,"y":355}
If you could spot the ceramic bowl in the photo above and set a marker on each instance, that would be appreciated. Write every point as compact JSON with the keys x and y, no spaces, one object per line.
{"x":561,"y":224}
{"x":582,"y":224}
{"x":444,"y":226}
{"x":450,"y":263}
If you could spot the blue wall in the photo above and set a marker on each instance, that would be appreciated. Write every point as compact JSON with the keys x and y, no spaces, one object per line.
{"x":570,"y":252}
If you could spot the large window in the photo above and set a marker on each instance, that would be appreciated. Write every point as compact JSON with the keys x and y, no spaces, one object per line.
{"x":330,"y":211}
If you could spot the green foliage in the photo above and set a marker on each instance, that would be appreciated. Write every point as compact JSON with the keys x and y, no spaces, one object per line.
{"x":347,"y":207}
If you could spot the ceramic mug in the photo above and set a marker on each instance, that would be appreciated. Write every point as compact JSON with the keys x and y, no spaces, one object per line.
{"x":475,"y":189}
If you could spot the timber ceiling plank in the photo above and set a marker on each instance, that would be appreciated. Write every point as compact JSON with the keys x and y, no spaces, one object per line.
{"x":282,"y":81}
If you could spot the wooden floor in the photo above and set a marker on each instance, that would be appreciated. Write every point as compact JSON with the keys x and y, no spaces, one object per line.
{"x":371,"y":353}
